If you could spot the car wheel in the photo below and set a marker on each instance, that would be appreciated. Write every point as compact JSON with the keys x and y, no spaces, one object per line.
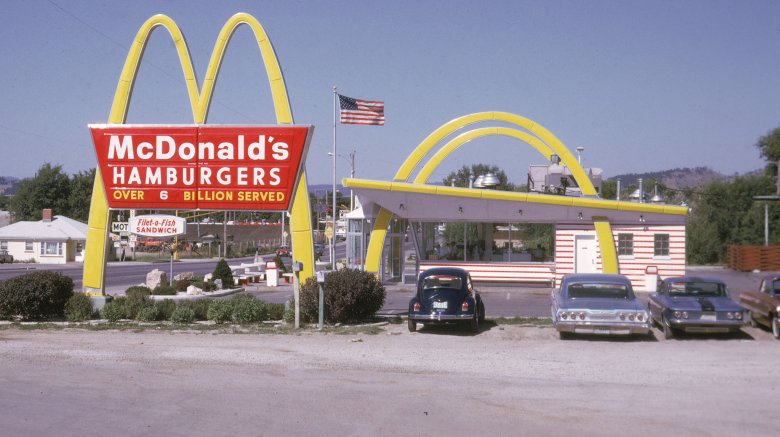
{"x":668,"y":331}
{"x":564,"y":335}
{"x":475,"y":323}
{"x":749,"y":317}
{"x":776,"y":327}
{"x":412,"y":325}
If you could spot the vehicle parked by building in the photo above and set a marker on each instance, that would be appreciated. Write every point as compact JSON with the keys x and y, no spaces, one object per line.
{"x":694,"y":304}
{"x":283,"y":251}
{"x":597,"y":303}
{"x":6,"y":257}
{"x":446,"y":295}
{"x":763,"y":306}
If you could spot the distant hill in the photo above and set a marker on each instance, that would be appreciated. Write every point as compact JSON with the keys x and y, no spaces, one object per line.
{"x":676,"y":179}
{"x":8,"y":185}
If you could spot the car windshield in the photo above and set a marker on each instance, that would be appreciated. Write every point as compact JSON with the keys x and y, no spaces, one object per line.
{"x":700,"y":288}
{"x":598,"y":290}
{"x":453,"y":282}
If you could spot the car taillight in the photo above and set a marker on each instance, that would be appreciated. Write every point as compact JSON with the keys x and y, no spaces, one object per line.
{"x":582,"y":316}
{"x":631,"y":317}
{"x":573,"y":315}
{"x":622,"y":316}
{"x":640,"y":317}
{"x":465,"y":306}
{"x":417,"y":306}
{"x":564,"y":316}
{"x":677,"y":314}
{"x":738,"y":315}
{"x":730,"y":316}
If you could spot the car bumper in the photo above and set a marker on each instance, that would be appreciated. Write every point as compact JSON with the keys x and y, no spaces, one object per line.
{"x":616,"y":328}
{"x":721,"y":326}
{"x":439,"y":317}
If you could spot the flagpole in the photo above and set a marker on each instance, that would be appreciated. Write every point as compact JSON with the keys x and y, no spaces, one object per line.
{"x":333,"y":194}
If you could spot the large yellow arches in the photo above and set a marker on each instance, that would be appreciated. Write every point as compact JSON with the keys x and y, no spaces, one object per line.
{"x":543,"y":141}
{"x":95,"y":260}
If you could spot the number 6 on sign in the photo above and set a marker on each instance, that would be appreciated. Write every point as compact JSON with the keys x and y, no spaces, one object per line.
{"x":163,"y":195}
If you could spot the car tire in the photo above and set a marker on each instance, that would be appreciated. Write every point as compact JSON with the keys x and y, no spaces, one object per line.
{"x":668,"y":331}
{"x":564,"y":335}
{"x":776,"y":327}
{"x":474,"y":324}
{"x":751,"y":321}
{"x":412,"y":325}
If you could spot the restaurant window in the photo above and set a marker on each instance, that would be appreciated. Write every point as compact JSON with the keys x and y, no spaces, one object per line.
{"x":626,"y":244}
{"x":28,"y":246}
{"x":3,"y":245}
{"x":661,"y":245}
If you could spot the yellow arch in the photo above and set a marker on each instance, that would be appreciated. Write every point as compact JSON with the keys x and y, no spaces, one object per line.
{"x":94,"y":263}
{"x":379,"y":231}
{"x":455,"y":143}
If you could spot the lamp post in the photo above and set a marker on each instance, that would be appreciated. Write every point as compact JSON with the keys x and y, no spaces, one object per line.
{"x":766,"y":200}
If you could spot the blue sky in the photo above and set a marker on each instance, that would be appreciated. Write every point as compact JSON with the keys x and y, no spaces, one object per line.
{"x":643,"y":86}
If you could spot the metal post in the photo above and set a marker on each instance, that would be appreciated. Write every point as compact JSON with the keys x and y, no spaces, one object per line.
{"x":333,"y":211}
{"x":322,"y":306}
{"x":766,"y":223}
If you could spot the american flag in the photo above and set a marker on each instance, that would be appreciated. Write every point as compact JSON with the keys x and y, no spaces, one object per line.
{"x":356,"y":111}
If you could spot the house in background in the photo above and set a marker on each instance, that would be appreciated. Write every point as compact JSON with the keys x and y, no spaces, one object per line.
{"x":52,"y":240}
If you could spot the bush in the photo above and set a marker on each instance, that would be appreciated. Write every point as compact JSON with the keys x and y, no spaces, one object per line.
{"x":222,"y":271}
{"x":203,"y":285}
{"x":35,"y":296}
{"x":220,"y":311}
{"x":113,"y":310}
{"x":165,"y":309}
{"x":148,"y":314}
{"x":280,"y":264}
{"x":138,"y":290}
{"x":164,"y":290}
{"x":183,"y":314}
{"x":135,"y":301}
{"x":274,"y":311}
{"x":350,"y":296}
{"x":199,"y":307}
{"x":247,"y":309}
{"x":182,"y":284}
{"x":78,"y":308}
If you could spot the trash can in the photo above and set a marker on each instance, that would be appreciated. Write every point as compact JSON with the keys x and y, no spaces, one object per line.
{"x":271,"y":274}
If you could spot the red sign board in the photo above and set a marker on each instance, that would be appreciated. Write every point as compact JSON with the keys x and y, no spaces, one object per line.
{"x":200,"y":166}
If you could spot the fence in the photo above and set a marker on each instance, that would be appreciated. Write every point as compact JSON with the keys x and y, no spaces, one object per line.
{"x":749,"y":258}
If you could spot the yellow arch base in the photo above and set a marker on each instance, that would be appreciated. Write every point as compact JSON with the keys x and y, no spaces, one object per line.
{"x":95,"y":259}
{"x":543,"y":141}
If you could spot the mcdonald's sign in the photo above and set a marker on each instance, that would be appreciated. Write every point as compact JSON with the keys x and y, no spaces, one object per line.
{"x":200,"y":167}
{"x":262,"y":163}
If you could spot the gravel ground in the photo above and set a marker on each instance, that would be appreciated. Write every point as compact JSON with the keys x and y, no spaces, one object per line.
{"x":508,"y":380}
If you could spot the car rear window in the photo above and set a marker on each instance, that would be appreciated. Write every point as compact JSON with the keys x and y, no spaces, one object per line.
{"x":598,"y":290}
{"x":442,"y":282}
{"x":697,"y":289}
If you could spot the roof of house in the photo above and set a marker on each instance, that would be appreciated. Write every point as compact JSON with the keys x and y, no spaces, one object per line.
{"x":59,"y":229}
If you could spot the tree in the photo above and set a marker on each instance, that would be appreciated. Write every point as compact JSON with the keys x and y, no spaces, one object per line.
{"x":461,"y":177}
{"x":50,"y":188}
{"x":80,"y":195}
{"x":769,"y":145}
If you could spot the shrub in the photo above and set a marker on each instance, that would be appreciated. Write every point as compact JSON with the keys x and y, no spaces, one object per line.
{"x":274,"y":311}
{"x":78,"y":308}
{"x":182,"y":284}
{"x":113,"y":310}
{"x":222,"y":271}
{"x":148,"y":314}
{"x":199,"y":307}
{"x":138,"y":290}
{"x":203,"y":285}
{"x":35,"y":296}
{"x":164,"y":290}
{"x":165,"y":309}
{"x":136,"y":301}
{"x":220,"y":311}
{"x":280,"y":264}
{"x":247,"y":309}
{"x":350,"y":296}
{"x":183,"y":314}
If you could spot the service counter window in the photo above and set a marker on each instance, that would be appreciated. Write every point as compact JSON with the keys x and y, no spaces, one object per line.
{"x":661,"y":245}
{"x":626,"y":245}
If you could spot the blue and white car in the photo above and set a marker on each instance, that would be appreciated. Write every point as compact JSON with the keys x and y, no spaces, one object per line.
{"x":597,"y":304}
{"x":694,"y":304}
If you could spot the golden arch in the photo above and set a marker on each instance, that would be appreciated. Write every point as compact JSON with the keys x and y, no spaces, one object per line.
{"x":95,"y":260}
{"x":544,"y":141}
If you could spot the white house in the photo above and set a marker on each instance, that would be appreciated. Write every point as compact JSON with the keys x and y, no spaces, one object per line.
{"x":52,"y":240}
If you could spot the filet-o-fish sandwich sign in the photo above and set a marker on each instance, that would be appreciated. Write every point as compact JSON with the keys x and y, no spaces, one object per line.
{"x":200,"y":166}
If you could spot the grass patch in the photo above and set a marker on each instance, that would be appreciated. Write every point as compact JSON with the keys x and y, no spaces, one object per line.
{"x":525,"y":321}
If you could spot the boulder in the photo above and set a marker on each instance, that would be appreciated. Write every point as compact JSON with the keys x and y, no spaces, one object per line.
{"x":184,"y":275}
{"x":155,"y":278}
{"x":194,"y":291}
{"x":218,"y":284}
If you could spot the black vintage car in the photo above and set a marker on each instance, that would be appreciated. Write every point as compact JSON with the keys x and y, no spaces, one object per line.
{"x":446,"y":295}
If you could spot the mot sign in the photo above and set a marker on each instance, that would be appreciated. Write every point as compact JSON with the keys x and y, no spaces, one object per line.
{"x":200,"y":166}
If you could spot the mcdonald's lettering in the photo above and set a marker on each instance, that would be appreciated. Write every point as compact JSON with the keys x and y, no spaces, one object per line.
{"x":200,"y":167}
